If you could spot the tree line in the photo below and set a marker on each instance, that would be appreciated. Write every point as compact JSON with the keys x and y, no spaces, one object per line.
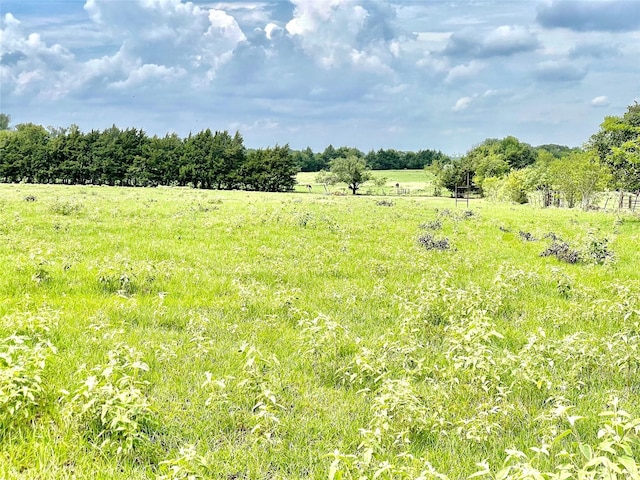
{"x":507,"y":169}
{"x":129,"y":157}
{"x":382,"y":159}
{"x":31,"y":153}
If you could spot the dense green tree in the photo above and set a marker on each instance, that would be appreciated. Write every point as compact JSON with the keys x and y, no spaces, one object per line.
{"x":5,"y":120}
{"x":24,"y":154}
{"x":557,"y":151}
{"x":351,"y":170}
{"x":490,"y":159}
{"x":269,"y":170}
{"x":452,"y":173}
{"x":578,"y":177}
{"x":308,"y":161}
{"x":617,"y":145}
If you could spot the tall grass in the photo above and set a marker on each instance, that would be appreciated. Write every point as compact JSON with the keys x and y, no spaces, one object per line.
{"x":177,"y":333}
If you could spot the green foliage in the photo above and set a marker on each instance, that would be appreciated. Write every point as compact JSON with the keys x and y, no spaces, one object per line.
{"x":110,"y":407}
{"x":616,"y":145}
{"x":270,"y":170}
{"x":5,"y":120}
{"x":492,"y":158}
{"x":420,"y":364}
{"x":22,"y":362}
{"x":250,"y":397}
{"x":350,"y":170}
{"x":578,"y":177}
{"x":23,"y":357}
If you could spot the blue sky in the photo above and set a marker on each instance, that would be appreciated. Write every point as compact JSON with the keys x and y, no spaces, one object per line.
{"x":403,"y":74}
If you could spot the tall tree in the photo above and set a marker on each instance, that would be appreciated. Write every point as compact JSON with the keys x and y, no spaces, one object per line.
{"x":269,"y":170}
{"x":351,"y":170}
{"x":617,"y":145}
{"x":5,"y":120}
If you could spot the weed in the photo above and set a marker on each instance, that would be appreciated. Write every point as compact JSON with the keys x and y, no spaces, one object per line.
{"x":598,"y":251}
{"x":526,"y":236}
{"x":429,"y":242}
{"x":563,"y":252}
{"x":65,"y":207}
{"x":433,"y":225}
{"x":384,"y":203}
{"x":110,"y":407}
{"x":22,"y":362}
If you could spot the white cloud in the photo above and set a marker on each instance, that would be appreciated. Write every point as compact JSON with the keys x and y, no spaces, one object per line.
{"x":29,"y":65}
{"x":502,"y":41}
{"x":601,"y":101}
{"x":333,"y":71}
{"x":464,"y":71}
{"x":170,"y":32}
{"x":462,"y":104}
{"x":148,"y":73}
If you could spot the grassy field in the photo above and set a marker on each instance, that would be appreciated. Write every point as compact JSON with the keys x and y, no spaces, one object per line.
{"x":178,"y":333}
{"x":411,"y":182}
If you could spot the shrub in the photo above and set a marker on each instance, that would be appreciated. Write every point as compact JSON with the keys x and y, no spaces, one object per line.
{"x":598,"y":250}
{"x":562,"y":252}
{"x":526,"y":236}
{"x":22,"y":362}
{"x":65,"y":207}
{"x":110,"y":405}
{"x":434,"y":225}
{"x":431,"y":243}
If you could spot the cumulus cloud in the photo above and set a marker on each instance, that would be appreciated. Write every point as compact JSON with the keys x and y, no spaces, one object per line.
{"x":559,"y":71}
{"x":27,"y":63}
{"x":170,"y":32}
{"x":589,"y":15}
{"x":344,"y":32}
{"x":147,"y":73}
{"x":462,"y":104}
{"x":503,"y":41}
{"x":601,"y":101}
{"x":464,"y":71}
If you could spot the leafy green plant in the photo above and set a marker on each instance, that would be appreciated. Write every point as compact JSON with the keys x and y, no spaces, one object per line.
{"x":22,"y":362}
{"x":429,"y":242}
{"x":616,"y":454}
{"x":188,"y":465}
{"x":65,"y":207}
{"x":110,"y":405}
{"x":598,"y":251}
{"x":562,"y":251}
{"x":251,"y":395}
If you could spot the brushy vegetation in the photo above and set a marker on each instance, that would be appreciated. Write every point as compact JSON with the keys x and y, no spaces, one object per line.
{"x":175,"y":333}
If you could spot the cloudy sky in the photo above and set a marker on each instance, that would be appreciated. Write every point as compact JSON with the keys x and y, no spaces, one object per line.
{"x":405,"y":74}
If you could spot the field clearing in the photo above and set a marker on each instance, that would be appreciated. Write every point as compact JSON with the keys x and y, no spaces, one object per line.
{"x":411,"y":182}
{"x":168,"y":332}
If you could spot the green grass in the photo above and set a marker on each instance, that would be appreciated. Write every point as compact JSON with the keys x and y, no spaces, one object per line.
{"x":296,"y":335}
{"x":411,"y":182}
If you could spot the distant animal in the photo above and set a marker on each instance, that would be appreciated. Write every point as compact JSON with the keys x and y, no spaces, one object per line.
{"x":309,"y":187}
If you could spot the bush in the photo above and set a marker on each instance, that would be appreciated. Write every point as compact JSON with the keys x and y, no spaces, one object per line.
{"x":110,"y":404}
{"x":562,"y":252}
{"x":598,"y":251}
{"x":434,"y":225}
{"x":22,"y":362}
{"x":431,"y":243}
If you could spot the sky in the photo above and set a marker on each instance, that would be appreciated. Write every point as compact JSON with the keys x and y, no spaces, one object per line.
{"x":403,"y":74}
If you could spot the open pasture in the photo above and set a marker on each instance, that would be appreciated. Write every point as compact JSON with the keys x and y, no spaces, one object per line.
{"x":179,"y":333}
{"x":410,"y":182}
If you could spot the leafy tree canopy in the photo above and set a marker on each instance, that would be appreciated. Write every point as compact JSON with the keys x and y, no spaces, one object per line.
{"x":351,"y":170}
{"x":617,"y":145}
